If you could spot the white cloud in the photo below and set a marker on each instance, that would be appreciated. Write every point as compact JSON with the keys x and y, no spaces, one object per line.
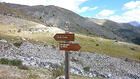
{"x":68,"y":4}
{"x":132,"y":5}
{"x":94,"y":8}
{"x":83,"y":9}
{"x":132,"y":15}
{"x":105,"y":13}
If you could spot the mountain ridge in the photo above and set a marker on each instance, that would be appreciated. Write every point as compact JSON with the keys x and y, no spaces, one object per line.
{"x":57,"y":16}
{"x":135,"y":23}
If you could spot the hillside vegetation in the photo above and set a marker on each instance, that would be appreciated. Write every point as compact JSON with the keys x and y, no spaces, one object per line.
{"x":36,"y":33}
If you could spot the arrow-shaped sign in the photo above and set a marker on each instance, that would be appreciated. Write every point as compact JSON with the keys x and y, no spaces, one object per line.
{"x":69,"y":47}
{"x":64,"y":37}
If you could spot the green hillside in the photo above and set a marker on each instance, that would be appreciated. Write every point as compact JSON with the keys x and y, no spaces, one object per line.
{"x":88,"y":43}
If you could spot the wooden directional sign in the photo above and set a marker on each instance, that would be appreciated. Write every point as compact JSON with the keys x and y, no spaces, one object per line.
{"x":69,"y":47}
{"x":64,"y":37}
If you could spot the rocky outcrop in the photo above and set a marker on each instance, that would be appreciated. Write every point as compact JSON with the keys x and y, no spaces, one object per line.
{"x":48,"y":56}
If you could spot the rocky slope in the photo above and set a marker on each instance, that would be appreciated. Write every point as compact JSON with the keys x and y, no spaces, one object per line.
{"x":50,"y":57}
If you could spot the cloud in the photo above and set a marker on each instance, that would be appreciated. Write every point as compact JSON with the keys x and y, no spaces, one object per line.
{"x":84,"y":9}
{"x":131,"y":13}
{"x":94,"y":8}
{"x":132,"y":5}
{"x":72,"y":5}
{"x":105,"y":13}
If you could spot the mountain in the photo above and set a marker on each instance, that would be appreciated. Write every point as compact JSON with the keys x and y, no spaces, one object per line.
{"x":56,"y":16}
{"x":135,"y":23}
{"x":7,"y":10}
{"x":27,"y":35}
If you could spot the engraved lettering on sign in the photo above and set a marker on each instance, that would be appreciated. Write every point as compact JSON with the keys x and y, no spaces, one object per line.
{"x":64,"y":45}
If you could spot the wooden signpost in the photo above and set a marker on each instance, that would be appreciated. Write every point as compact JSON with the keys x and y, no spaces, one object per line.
{"x":64,"y":37}
{"x":67,"y":47}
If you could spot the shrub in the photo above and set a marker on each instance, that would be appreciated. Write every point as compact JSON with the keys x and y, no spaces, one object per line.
{"x":4,"y":61}
{"x":23,"y":67}
{"x":97,"y":44}
{"x":19,"y":30}
{"x":86,"y":68}
{"x":132,"y":48}
{"x":17,"y":44}
{"x":57,"y":73}
{"x":15,"y":62}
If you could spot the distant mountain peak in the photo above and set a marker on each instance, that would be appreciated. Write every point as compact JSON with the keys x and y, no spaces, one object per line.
{"x":134,"y":23}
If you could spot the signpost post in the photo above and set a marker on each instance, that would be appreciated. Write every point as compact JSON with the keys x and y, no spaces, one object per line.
{"x":67,"y":46}
{"x":67,"y":56}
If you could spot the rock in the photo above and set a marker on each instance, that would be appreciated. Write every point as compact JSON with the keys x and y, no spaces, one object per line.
{"x":33,"y":64}
{"x":4,"y":41}
{"x":75,"y":70}
{"x":60,"y":77}
{"x":23,"y":39}
{"x":133,"y":76}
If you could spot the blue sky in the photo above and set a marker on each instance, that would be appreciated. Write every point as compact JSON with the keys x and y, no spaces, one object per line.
{"x":104,"y":4}
{"x":116,"y":10}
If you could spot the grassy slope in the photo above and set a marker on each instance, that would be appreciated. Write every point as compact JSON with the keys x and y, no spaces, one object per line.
{"x":12,"y":72}
{"x":88,"y":43}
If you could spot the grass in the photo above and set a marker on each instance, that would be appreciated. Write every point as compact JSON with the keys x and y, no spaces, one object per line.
{"x":33,"y":76}
{"x":88,"y":43}
{"x":57,"y":73}
{"x":14,"y":62}
{"x":109,"y":47}
{"x":12,"y":72}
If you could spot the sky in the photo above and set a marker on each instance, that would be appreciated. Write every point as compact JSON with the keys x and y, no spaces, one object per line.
{"x":116,"y":10}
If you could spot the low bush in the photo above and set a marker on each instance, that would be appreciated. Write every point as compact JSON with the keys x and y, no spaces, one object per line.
{"x":86,"y":68}
{"x":15,"y":62}
{"x":10,"y":62}
{"x":57,"y":73}
{"x":97,"y":44}
{"x":4,"y":61}
{"x":17,"y":44}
